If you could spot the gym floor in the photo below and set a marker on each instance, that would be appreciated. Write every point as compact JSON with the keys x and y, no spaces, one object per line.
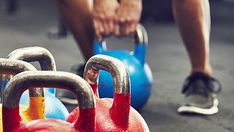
{"x":166,"y":57}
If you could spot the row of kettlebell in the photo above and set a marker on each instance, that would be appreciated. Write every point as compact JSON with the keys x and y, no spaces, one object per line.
{"x":139,"y":72}
{"x":93,"y":113}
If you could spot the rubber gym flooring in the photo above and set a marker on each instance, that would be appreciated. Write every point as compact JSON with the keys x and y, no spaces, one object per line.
{"x":166,"y":57}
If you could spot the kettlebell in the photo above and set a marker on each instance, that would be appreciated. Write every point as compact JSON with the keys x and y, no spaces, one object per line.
{"x":112,"y":115}
{"x":36,"y":107}
{"x":54,"y":107}
{"x":12,"y":122}
{"x":36,"y":54}
{"x":139,"y":71}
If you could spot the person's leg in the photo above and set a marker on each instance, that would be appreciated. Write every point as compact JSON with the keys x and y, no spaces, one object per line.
{"x":193,"y":20}
{"x":77,"y":15}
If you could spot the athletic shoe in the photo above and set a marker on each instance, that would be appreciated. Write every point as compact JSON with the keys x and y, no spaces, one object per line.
{"x":200,"y":98}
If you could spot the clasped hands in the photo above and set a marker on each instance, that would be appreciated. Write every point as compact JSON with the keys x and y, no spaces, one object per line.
{"x":111,"y":17}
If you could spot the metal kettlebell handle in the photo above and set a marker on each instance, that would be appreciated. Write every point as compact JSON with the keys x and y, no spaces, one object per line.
{"x":109,"y":64}
{"x":14,"y":67}
{"x":141,"y":36}
{"x":64,"y":80}
{"x":121,"y":103}
{"x":141,"y":43}
{"x":30,"y":54}
{"x":40,"y":54}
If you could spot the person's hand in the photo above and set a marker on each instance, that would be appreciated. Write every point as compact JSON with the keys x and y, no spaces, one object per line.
{"x":104,"y":12}
{"x":128,"y":16}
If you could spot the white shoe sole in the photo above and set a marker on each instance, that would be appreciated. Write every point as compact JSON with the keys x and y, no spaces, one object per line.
{"x":196,"y":110}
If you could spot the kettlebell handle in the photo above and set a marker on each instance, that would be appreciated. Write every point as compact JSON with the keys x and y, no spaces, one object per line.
{"x":141,"y":36}
{"x":112,"y":65}
{"x":14,"y":67}
{"x":31,"y":54}
{"x":40,"y":54}
{"x":121,"y":103}
{"x":63,"y":80}
{"x":141,"y":43}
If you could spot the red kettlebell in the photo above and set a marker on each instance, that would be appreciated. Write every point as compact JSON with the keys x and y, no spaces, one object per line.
{"x":36,"y":106}
{"x":12,"y":122}
{"x":112,"y":115}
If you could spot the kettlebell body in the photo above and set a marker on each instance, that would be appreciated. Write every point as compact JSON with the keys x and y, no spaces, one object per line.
{"x":140,"y":76}
{"x":54,"y":107}
{"x":104,"y":122}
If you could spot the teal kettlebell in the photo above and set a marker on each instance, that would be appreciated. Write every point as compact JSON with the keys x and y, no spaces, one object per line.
{"x":135,"y":62}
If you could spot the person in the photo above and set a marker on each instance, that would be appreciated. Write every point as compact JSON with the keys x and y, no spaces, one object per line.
{"x":95,"y":19}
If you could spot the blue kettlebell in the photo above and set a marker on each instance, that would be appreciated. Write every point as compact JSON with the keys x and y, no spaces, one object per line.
{"x":139,"y":72}
{"x":54,"y":107}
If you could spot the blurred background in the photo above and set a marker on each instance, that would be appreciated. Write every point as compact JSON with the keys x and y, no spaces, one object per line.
{"x":33,"y":22}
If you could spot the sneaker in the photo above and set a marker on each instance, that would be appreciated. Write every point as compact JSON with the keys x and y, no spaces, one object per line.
{"x":199,"y":90}
{"x":66,"y":96}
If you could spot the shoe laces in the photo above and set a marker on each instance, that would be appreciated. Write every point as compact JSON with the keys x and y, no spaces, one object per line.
{"x":207,"y":84}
